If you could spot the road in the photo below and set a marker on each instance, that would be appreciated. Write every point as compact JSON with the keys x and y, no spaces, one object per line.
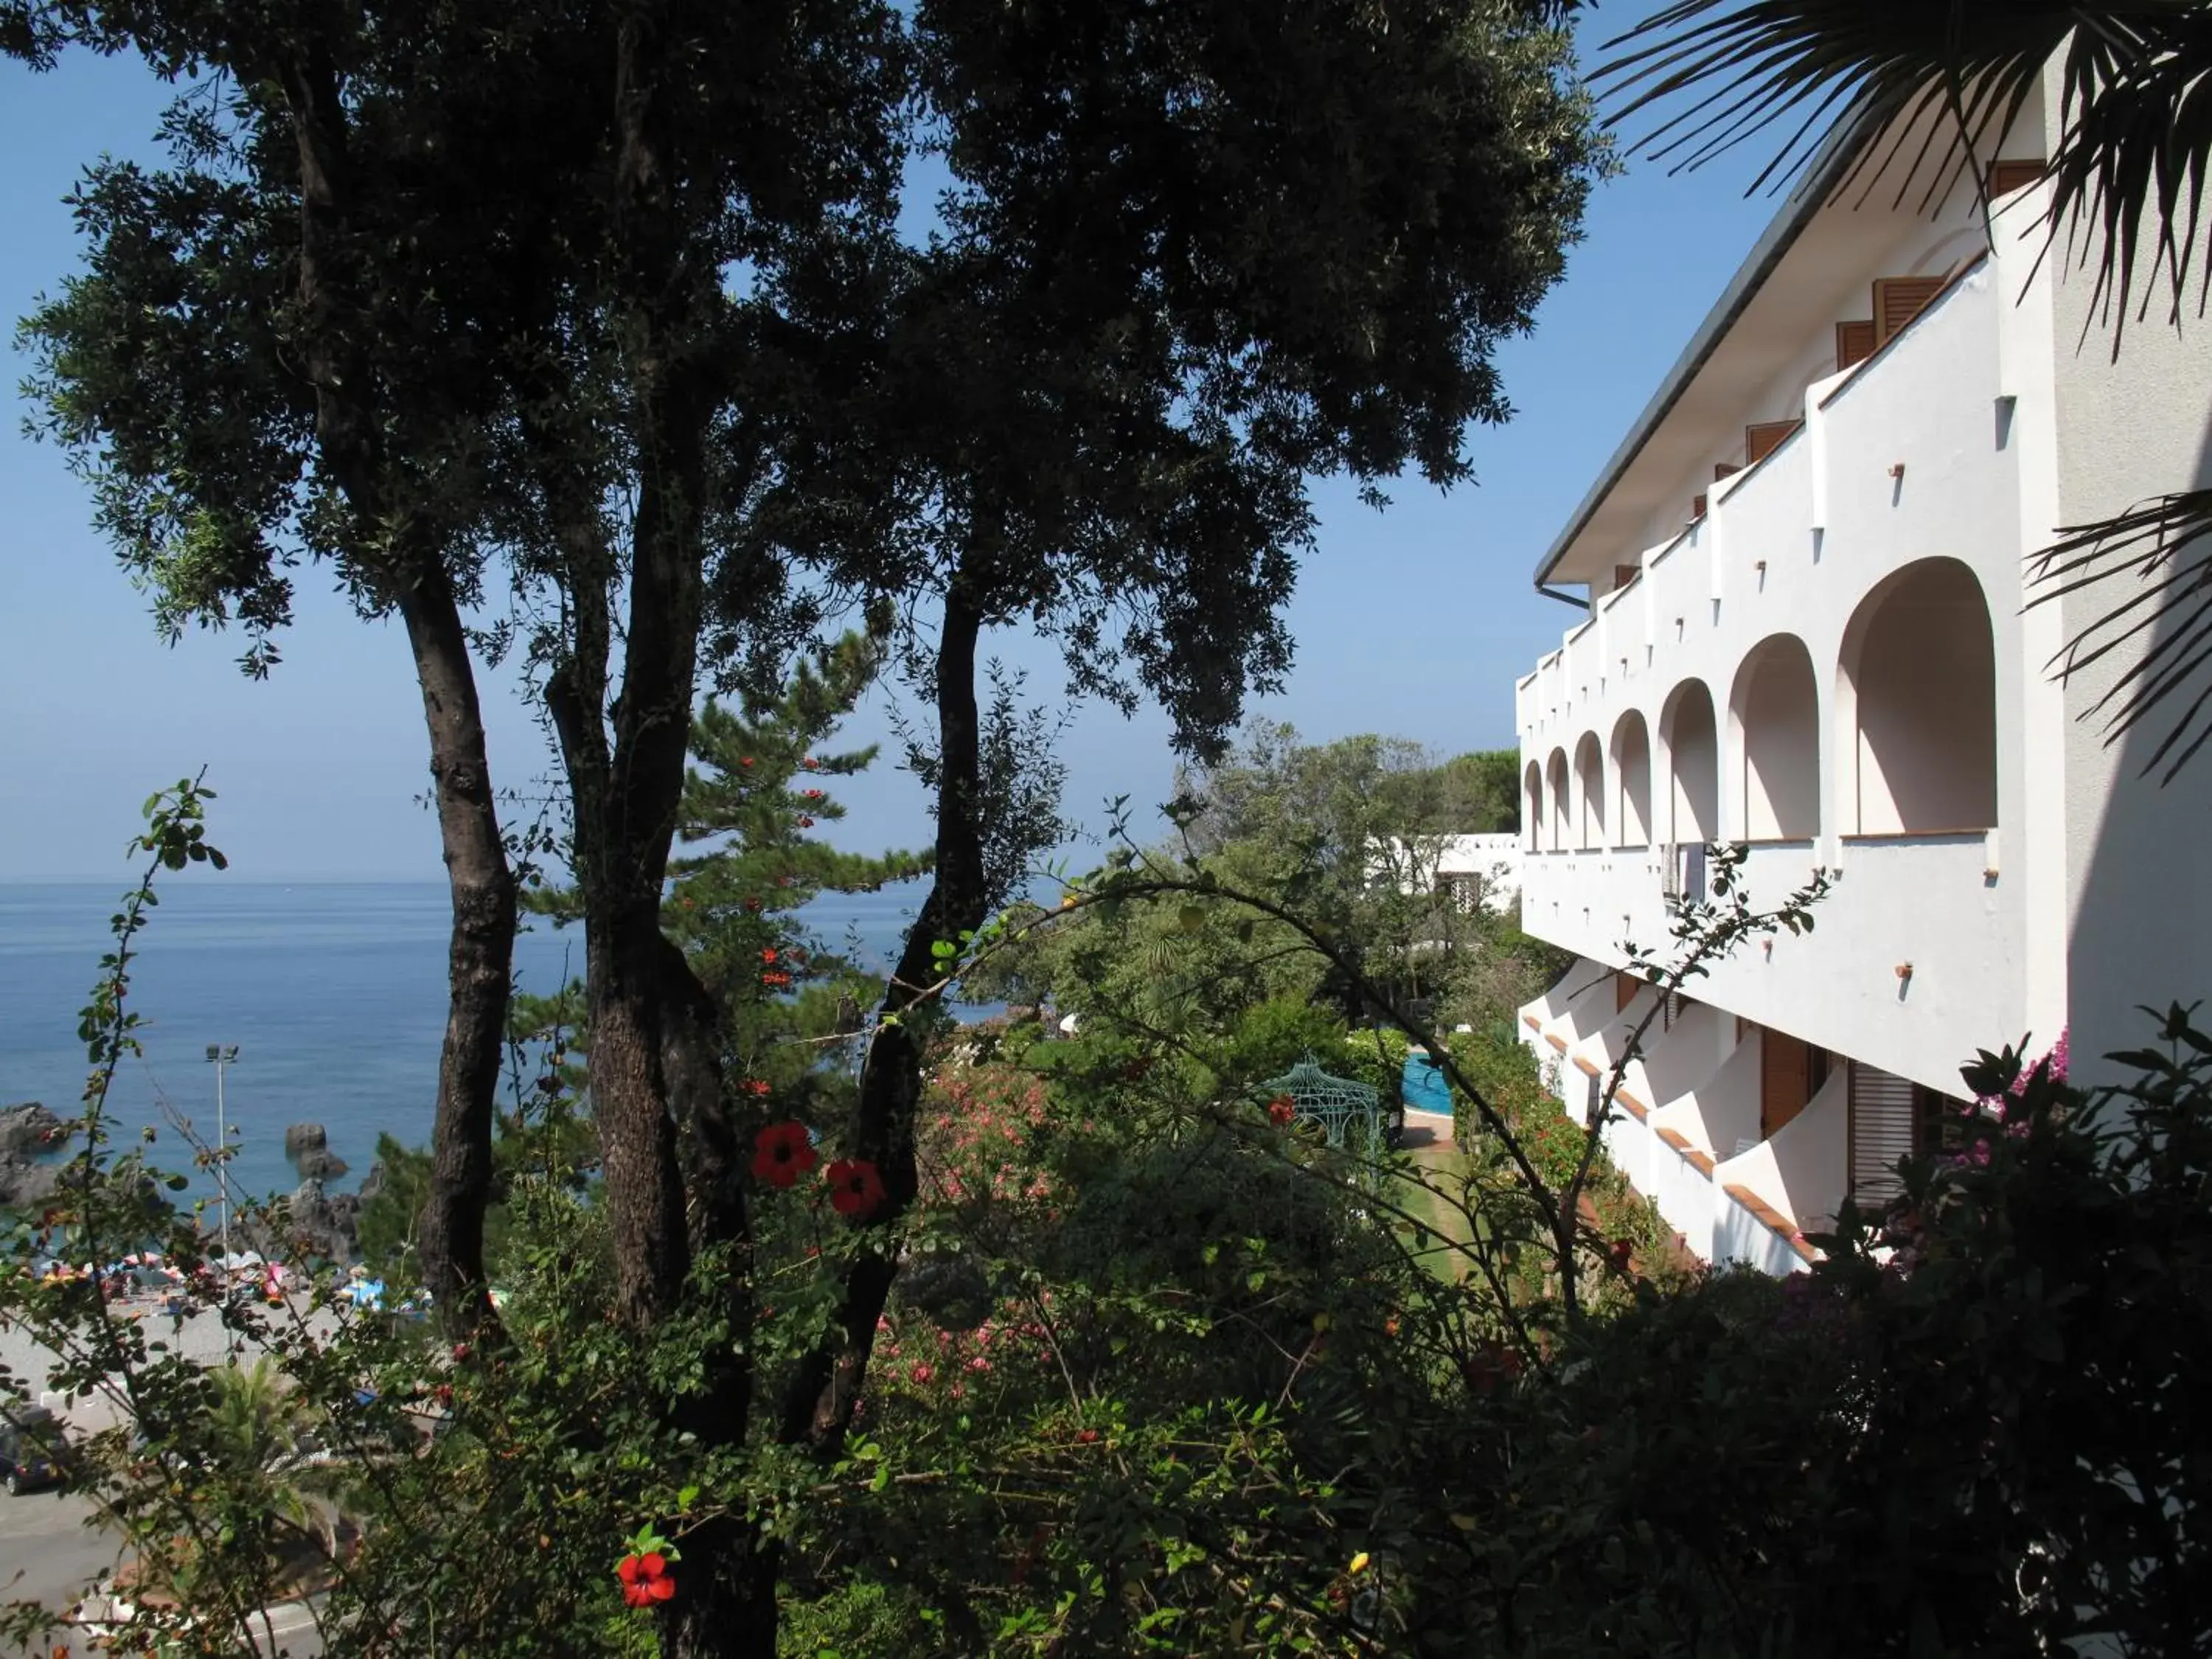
{"x":48,"y":1553}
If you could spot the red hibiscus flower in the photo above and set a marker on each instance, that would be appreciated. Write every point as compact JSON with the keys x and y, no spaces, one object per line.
{"x":1281,"y":1109}
{"x":855,"y":1188}
{"x":745,"y":760}
{"x":752,"y":904}
{"x":814,"y":794}
{"x":809,"y":763}
{"x":645,"y":1579}
{"x":757,"y":1085}
{"x":768,"y":955}
{"x":806,"y":824}
{"x":782,"y":1153}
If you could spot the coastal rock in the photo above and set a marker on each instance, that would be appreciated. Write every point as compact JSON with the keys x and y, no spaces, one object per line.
{"x":305,"y":1138}
{"x":28,"y":1126}
{"x":371,"y":1184}
{"x":321,"y":1164}
{"x":321,"y":1224}
{"x":22,"y":1182}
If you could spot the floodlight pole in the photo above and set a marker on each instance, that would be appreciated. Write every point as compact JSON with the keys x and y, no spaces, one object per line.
{"x":221,"y":1054}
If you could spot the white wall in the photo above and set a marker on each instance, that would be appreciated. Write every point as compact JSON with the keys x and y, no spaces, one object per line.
{"x":2139,"y":892}
{"x":1797,"y":547}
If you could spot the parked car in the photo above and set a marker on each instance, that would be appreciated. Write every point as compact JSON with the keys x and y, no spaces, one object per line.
{"x":33,"y":1450}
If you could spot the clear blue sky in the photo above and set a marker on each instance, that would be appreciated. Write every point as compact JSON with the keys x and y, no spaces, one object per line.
{"x":1413,"y":621}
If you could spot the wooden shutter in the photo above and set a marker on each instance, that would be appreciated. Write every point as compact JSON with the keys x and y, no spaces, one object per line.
{"x":1854,"y":341}
{"x":1764,"y":439}
{"x":1625,"y":987}
{"x":1697,"y":507}
{"x":1724,"y":470}
{"x":1898,"y":301}
{"x":1782,"y":1080}
{"x":2006,"y":177}
{"x":1882,"y":1124}
{"x":1622,"y":575}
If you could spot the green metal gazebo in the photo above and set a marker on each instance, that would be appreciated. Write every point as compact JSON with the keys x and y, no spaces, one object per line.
{"x":1339,"y":1105}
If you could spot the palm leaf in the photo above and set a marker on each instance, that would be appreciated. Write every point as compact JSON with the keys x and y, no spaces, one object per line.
{"x":1934,"y":85}
{"x":2173,"y":604}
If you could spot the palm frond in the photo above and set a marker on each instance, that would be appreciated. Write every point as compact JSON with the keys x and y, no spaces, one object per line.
{"x":1923,"y":90}
{"x":2172,"y":603}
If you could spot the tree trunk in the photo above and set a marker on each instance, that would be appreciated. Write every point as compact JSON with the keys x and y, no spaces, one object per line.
{"x":404,"y":558}
{"x":818,"y":1407}
{"x":479,"y":960}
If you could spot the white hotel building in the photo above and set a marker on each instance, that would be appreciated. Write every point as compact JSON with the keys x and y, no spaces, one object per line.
{"x":1806,"y":630}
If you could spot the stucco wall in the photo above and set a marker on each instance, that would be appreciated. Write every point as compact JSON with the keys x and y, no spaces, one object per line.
{"x":1905,"y":461}
{"x":2138,"y":889}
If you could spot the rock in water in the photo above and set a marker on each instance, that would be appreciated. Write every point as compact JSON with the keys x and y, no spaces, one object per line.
{"x":322,"y":1225}
{"x":373,"y":1182}
{"x":25,"y":1182}
{"x":319,"y":1163}
{"x":28,"y":1126}
{"x":305,"y":1138}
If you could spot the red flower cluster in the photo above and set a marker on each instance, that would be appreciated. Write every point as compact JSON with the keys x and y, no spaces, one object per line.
{"x":755,"y":1085}
{"x":1280,"y":1110}
{"x":855,"y":1189}
{"x":752,"y":904}
{"x":745,"y":760}
{"x":806,"y":823}
{"x":782,"y":1152}
{"x":768,"y":955}
{"x":775,"y":979}
{"x":815,"y":794}
{"x":809,"y":763}
{"x":645,"y":1579}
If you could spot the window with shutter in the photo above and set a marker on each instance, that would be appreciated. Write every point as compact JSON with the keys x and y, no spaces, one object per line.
{"x":1622,"y":575}
{"x":1724,"y":470}
{"x":1898,"y":301}
{"x":1697,"y":507}
{"x":1763,"y":439}
{"x":1885,"y":1130}
{"x":2006,"y":177}
{"x":1625,"y":987}
{"x":1854,"y":341}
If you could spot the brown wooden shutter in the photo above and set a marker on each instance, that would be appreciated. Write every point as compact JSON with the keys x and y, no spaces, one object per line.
{"x":1764,"y":439}
{"x":1882,"y":1113}
{"x":1697,"y":507}
{"x":1854,"y":341}
{"x":1782,"y":1078}
{"x":1624,"y":991}
{"x":1898,"y":301}
{"x":1724,"y":470}
{"x":2006,"y":177}
{"x":1622,"y":575}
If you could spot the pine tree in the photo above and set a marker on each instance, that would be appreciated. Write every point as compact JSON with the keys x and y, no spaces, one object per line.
{"x":753,"y":804}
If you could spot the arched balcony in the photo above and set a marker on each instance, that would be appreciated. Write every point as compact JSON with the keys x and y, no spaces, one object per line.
{"x":1774,"y":726}
{"x":1532,"y":817}
{"x":1693,"y":771}
{"x":1916,"y":706}
{"x":1632,"y":771}
{"x":1555,"y":785}
{"x":1589,"y":793}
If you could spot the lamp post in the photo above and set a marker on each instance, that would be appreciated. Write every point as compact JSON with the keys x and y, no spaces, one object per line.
{"x":221,"y":1055}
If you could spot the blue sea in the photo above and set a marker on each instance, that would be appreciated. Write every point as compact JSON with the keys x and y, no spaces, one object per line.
{"x":334,"y":994}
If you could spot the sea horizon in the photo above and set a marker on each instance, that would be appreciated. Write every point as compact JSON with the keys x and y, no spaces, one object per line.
{"x":334,"y":992}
